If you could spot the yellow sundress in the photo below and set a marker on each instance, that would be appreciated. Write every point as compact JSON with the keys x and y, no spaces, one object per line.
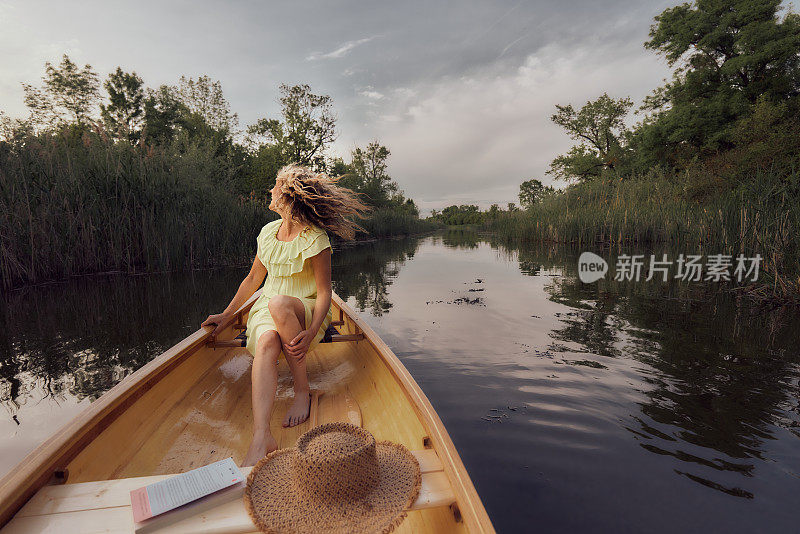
{"x":288,"y":273}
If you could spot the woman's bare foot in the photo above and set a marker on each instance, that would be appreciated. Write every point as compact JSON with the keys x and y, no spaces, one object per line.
{"x":299,"y":410}
{"x":259,"y":447}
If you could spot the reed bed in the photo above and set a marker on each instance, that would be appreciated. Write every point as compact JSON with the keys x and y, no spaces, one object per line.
{"x":76,"y":203}
{"x":759,"y":216}
{"x":384,"y":222}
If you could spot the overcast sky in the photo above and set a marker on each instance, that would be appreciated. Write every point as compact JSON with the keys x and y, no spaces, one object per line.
{"x":460,"y":92}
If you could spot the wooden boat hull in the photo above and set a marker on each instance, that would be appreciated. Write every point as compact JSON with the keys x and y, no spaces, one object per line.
{"x":191,"y":406}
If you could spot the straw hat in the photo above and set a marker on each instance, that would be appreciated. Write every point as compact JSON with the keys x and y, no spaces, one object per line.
{"x":337,"y":479}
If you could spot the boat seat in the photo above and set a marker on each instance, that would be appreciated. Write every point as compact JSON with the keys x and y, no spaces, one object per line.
{"x":331,"y":336}
{"x":106,"y":505}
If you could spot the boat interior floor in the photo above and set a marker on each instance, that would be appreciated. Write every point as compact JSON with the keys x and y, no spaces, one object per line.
{"x":200,"y":412}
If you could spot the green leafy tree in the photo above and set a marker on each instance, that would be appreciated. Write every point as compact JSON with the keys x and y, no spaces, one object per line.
{"x":600,"y":128}
{"x":461,"y":214}
{"x":411,"y":207}
{"x":370,"y":168}
{"x":263,"y":166}
{"x":728,"y":54}
{"x":307,"y":128}
{"x":532,"y":192}
{"x":194,"y":112}
{"x":7,"y":127}
{"x":125,"y":110}
{"x":338,"y":167}
{"x":164,"y":114}
{"x":370,"y":163}
{"x":204,"y":97}
{"x":346,"y":174}
{"x":69,"y":94}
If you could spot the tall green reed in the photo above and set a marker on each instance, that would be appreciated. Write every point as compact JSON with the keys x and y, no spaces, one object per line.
{"x":74,"y":203}
{"x":758,"y":216}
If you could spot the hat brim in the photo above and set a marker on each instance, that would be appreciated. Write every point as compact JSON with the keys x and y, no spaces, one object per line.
{"x":276,"y":503}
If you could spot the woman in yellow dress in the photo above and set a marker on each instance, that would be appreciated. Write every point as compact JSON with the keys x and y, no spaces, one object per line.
{"x":294,"y":309}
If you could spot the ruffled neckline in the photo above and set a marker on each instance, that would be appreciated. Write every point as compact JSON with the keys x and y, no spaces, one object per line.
{"x":285,"y":258}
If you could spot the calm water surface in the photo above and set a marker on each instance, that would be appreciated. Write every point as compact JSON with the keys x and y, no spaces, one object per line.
{"x":610,"y":407}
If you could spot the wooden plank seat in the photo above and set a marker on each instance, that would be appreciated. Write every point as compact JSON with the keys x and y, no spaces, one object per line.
{"x":104,"y":506}
{"x":331,"y":335}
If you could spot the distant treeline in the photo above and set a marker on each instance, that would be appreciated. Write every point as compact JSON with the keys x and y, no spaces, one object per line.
{"x":142,"y":179}
{"x":715,"y":162}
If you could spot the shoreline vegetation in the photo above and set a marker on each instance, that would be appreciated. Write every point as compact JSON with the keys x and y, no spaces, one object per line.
{"x":713,"y":166}
{"x":761,"y":217}
{"x":162,"y":180}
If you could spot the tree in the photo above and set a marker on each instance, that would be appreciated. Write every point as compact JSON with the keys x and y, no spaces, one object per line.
{"x":263,"y":166}
{"x":11,"y":128}
{"x":532,"y":192}
{"x":68,"y":91}
{"x":163,"y":114}
{"x":728,"y":55}
{"x":411,"y":207}
{"x":344,"y":172}
{"x":307,"y":128}
{"x":124,"y":113}
{"x":461,"y":214}
{"x":369,"y":166}
{"x":600,"y":127}
{"x":741,"y":44}
{"x":337,"y":167}
{"x":204,"y":97}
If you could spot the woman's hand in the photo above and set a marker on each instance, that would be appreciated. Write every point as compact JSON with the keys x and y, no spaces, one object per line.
{"x":216,"y":319}
{"x":297,"y":347}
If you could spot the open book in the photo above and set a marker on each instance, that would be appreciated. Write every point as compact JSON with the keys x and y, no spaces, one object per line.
{"x":171,"y":500}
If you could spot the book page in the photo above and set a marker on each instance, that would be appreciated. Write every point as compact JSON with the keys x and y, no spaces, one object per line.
{"x":160,"y":497}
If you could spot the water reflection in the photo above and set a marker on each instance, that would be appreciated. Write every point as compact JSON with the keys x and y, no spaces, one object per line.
{"x":84,"y":336}
{"x":720,"y":371}
{"x":656,"y":406}
{"x":365,"y":271}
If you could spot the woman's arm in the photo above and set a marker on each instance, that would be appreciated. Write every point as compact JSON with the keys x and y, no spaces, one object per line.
{"x":249,"y":285}
{"x":322,"y":276}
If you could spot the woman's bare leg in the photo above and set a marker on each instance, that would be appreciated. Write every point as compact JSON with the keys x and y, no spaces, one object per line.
{"x":290,"y":318}
{"x":265,"y":384}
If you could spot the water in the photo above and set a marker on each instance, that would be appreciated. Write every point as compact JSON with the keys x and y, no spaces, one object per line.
{"x":610,"y":407}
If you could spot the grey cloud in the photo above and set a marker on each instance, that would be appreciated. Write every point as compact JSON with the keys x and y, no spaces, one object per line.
{"x":460,"y":92}
{"x":341,"y":51}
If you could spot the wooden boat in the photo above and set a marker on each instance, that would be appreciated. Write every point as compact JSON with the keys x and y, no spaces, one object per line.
{"x":191,"y":406}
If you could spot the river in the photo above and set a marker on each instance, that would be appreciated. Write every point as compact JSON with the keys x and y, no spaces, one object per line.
{"x":615,"y":406}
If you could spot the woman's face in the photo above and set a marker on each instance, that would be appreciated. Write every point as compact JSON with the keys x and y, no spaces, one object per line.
{"x":275,"y":192}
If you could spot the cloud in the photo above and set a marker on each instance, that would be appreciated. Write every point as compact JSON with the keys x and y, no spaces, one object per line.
{"x":462,"y":97}
{"x":474,"y":138}
{"x":339,"y":52}
{"x":370,"y":93}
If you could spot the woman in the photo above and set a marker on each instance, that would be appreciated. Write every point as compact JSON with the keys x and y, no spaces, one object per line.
{"x":294,"y":309}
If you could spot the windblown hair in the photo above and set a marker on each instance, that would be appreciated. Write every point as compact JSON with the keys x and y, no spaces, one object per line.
{"x":314,"y":198}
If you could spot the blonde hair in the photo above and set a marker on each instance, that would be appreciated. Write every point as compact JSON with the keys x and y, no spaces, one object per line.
{"x":314,"y":198}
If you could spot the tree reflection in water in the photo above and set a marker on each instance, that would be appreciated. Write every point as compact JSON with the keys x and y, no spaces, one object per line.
{"x":662,"y":376}
{"x":720,"y":373}
{"x":83,"y":336}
